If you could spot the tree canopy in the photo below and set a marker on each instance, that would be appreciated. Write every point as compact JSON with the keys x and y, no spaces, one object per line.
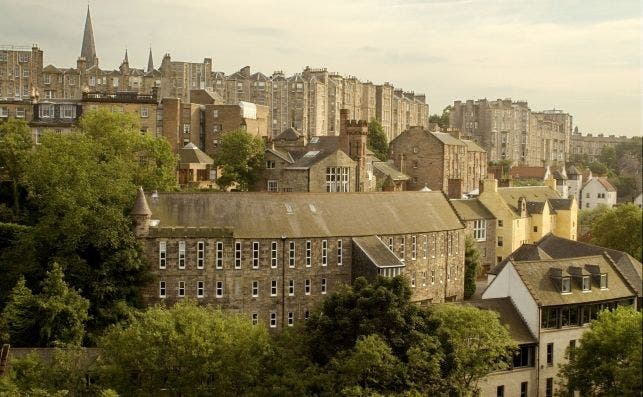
{"x":442,"y":120}
{"x":619,"y":228}
{"x":240,"y":156}
{"x":377,"y":141}
{"x":15,"y":144}
{"x":607,"y":360}
{"x":471,"y":265}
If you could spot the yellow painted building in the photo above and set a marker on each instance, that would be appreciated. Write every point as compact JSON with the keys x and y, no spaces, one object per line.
{"x":526,"y":214}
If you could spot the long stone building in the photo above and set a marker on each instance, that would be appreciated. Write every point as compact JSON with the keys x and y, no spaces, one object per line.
{"x":274,"y":257}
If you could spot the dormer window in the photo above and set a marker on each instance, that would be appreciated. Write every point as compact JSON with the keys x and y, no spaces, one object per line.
{"x":587,"y":284}
{"x":566,"y":285}
{"x":603,"y":281}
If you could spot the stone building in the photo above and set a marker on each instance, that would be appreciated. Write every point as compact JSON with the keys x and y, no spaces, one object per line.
{"x":554,"y":287}
{"x":587,"y":148}
{"x":480,"y":224}
{"x":20,"y":71}
{"x":145,"y":107}
{"x":438,"y":161}
{"x":509,"y":130}
{"x":526,"y":214}
{"x":213,"y":247}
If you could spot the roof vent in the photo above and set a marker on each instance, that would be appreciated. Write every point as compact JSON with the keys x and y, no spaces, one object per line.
{"x":288,"y":208}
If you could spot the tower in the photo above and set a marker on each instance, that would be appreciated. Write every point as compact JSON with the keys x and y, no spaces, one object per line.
{"x":150,"y":62}
{"x":352,"y":140}
{"x":141,"y":214}
{"x":88,"y":49}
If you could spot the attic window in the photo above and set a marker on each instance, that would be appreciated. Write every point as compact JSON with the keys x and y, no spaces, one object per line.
{"x":314,"y":139}
{"x":288,"y":208}
{"x":312,"y":208}
{"x":587,"y":284}
{"x":604,"y":281}
{"x":312,"y":153}
{"x":566,"y":285}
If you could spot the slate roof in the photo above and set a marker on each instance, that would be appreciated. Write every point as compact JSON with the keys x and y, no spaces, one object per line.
{"x":629,"y":267}
{"x":387,"y":168}
{"x":316,"y":150}
{"x":526,"y":252}
{"x":509,"y":316}
{"x":535,"y":207}
{"x":471,"y":209}
{"x":560,"y":204}
{"x":377,"y":252}
{"x":289,"y":134}
{"x":190,"y":154}
{"x":140,"y":205}
{"x":571,"y":170}
{"x":510,"y":195}
{"x":281,"y":154}
{"x":472,"y":146}
{"x":542,"y":287}
{"x":298,"y":215}
{"x":447,"y":139}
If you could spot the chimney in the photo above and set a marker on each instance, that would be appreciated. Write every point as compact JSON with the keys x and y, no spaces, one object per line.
{"x":489,"y":185}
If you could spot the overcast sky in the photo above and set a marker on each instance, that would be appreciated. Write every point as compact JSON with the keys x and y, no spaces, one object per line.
{"x":582,"y":56}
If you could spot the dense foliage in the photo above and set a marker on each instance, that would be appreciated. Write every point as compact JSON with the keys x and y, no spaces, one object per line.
{"x":441,"y":120}
{"x":80,"y":187}
{"x":471,"y":266}
{"x":607,"y":361}
{"x":240,"y":156}
{"x":377,"y":141}
{"x":619,"y":228}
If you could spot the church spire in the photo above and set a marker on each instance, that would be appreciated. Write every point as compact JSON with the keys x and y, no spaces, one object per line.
{"x":126,"y":59}
{"x":150,"y":62}
{"x":88,"y":49}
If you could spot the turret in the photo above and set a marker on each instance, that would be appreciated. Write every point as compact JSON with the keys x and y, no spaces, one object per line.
{"x":141,"y":214}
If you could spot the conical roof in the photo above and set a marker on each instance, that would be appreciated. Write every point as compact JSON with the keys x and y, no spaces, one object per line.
{"x":571,"y":170}
{"x":140,"y":206}
{"x":88,"y":49}
{"x":150,"y":62}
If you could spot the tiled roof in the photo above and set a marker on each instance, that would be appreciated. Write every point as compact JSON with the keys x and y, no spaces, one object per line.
{"x":471,"y":209}
{"x":509,"y":316}
{"x":298,"y":215}
{"x":528,"y":172}
{"x":190,"y":154}
{"x":377,"y":251}
{"x":558,"y":247}
{"x":542,"y":287}
{"x":606,"y":184}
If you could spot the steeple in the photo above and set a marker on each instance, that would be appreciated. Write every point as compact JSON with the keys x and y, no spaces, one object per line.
{"x":126,"y":59}
{"x":150,"y":62}
{"x":88,"y":49}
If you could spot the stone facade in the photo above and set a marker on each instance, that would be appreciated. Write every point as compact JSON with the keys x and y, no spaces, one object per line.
{"x":145,"y":107}
{"x":277,"y":274}
{"x":20,"y":71}
{"x":438,"y":161}
{"x":480,"y":224}
{"x":509,"y":130}
{"x":587,"y":148}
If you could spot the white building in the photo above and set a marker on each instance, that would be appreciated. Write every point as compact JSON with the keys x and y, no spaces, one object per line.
{"x":574,"y":183}
{"x":597,"y":191}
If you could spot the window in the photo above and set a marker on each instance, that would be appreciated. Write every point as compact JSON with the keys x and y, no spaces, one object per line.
{"x":270,"y":164}
{"x":219,"y":255}
{"x":4,"y":111}
{"x":307,"y":287}
{"x":306,"y":315}
{"x":308,"y":253}
{"x":273,"y":320}
{"x":92,"y":80}
{"x":255,"y":318}
{"x":535,"y":229}
{"x":255,"y":255}
{"x":587,"y":195}
{"x":565,"y":285}
{"x":500,"y":391}
{"x":162,"y":254}
{"x":499,"y":222}
{"x":181,"y":254}
{"x":390,"y":244}
{"x":273,"y":185}
{"x":433,"y":276}
{"x":273,"y":288}
{"x":186,"y":128}
{"x":273,"y":254}
{"x":603,"y":281}
{"x":291,"y":254}
{"x":524,"y":389}
{"x":255,"y":289}
{"x":524,"y":356}
{"x":414,"y":246}
{"x":20,"y":113}
{"x":324,"y":252}
{"x":23,"y":57}
{"x":572,"y":348}
{"x":402,"y":248}
{"x":499,"y":241}
{"x":181,"y":289}
{"x":587,"y":285}
{"x":46,"y":111}
{"x":215,"y":113}
{"x":323,"y":285}
{"x":237,"y":255}
{"x":339,"y":253}
{"x":145,"y":112}
{"x":199,"y":289}
{"x":426,"y":246}
{"x":550,"y":354}
{"x":161,"y":289}
{"x":291,"y":287}
{"x":68,"y":111}
{"x":480,"y":229}
{"x":291,"y":319}
{"x":200,"y":254}
{"x":549,"y":387}
{"x":115,"y":82}
{"x":337,"y":179}
{"x":219,"y":289}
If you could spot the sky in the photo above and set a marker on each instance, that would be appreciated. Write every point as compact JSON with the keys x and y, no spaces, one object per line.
{"x":581,"y":56}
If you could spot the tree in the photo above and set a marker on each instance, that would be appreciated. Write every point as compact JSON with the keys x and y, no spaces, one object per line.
{"x":607,"y":361}
{"x":241,"y":158}
{"x":55,"y":316}
{"x":608,"y":157}
{"x":471,"y":264}
{"x":442,"y":120}
{"x":599,"y":169}
{"x":187,"y":350}
{"x":475,"y":344}
{"x":81,"y":187}
{"x":15,"y":143}
{"x":377,"y":140}
{"x":619,"y":228}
